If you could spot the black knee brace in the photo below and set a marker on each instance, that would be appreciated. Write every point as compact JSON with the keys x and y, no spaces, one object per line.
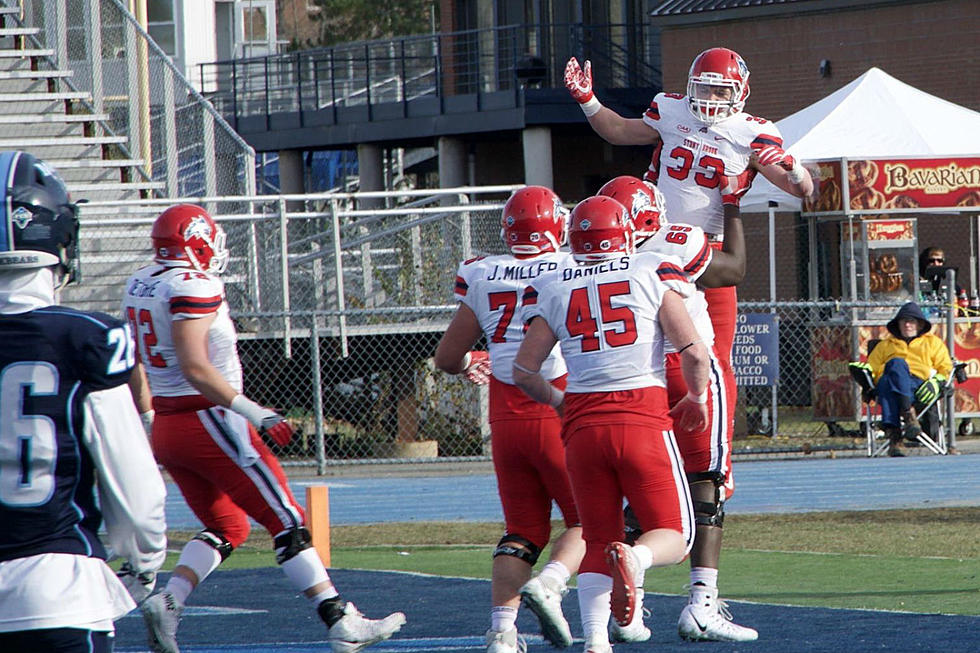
{"x":216,"y":541}
{"x":710,"y":512}
{"x":529,"y":554}
{"x":290,"y":543}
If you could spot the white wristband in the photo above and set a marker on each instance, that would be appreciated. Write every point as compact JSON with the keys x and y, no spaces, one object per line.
{"x":797,"y":174}
{"x":250,"y":410}
{"x":698,"y":399}
{"x":467,"y":359}
{"x":557,"y":396}
{"x":591,"y":107}
{"x":147,"y":419}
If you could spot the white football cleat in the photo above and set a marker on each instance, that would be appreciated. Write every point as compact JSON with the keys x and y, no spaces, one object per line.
{"x":707,"y":618}
{"x":505,"y":642}
{"x":161,"y":613}
{"x":354,"y":631}
{"x":636,"y":631}
{"x":544,"y":601}
{"x":597,"y":644}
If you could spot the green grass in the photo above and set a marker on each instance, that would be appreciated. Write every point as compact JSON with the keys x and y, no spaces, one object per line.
{"x":910,"y":560}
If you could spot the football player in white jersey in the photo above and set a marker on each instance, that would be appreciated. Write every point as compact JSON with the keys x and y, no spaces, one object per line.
{"x":612,"y":315}
{"x":70,"y":452}
{"x":706,"y":453}
{"x":206,"y":433}
{"x":699,"y":139}
{"x":528,"y":456}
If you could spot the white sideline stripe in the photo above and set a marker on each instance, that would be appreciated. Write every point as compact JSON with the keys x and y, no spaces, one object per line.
{"x":205,"y":611}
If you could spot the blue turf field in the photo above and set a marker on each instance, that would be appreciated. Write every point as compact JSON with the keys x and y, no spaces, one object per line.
{"x":760,"y":487}
{"x":255,"y":611}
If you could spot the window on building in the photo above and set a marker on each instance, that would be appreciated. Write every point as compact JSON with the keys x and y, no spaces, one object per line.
{"x":161,"y":24}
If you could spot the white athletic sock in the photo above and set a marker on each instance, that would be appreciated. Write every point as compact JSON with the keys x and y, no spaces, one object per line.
{"x":556,"y":571}
{"x":594,"y":591}
{"x":644,"y":556}
{"x":502,"y":618}
{"x":705,"y":576}
{"x":180,"y":587}
{"x":305,"y":569}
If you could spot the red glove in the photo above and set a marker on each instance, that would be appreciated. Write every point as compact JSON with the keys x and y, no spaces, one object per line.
{"x":689,"y":416}
{"x":733,"y":187}
{"x":277,"y":428}
{"x":578,"y":81}
{"x":477,"y":368}
{"x":775,"y":155}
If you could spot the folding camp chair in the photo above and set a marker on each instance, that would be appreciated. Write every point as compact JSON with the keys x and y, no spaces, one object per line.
{"x":931,"y":414}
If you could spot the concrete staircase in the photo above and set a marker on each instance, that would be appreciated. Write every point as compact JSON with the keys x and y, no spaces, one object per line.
{"x":41,"y":114}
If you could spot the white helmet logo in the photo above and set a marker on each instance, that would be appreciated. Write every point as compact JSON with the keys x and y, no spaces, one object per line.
{"x":198,"y":227}
{"x":21,"y":217}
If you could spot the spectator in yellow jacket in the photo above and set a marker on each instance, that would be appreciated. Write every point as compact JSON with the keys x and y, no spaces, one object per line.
{"x":907,"y":358}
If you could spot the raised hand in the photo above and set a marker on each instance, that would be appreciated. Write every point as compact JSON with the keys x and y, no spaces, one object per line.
{"x":578,"y":80}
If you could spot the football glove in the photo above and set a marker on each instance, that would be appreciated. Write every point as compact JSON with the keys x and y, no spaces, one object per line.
{"x":578,"y":81}
{"x":775,"y":155}
{"x":139,"y":585}
{"x":477,"y":368}
{"x":277,"y":428}
{"x":733,"y":187}
{"x":266,"y":421}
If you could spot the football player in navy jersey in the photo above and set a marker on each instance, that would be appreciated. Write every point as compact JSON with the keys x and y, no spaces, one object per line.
{"x":72,"y":451}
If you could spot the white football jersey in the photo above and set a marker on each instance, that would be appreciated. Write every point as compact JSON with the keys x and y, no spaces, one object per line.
{"x":493,"y":288}
{"x":689,"y":244}
{"x":154,"y":298}
{"x":605,"y":318}
{"x":691,"y":157}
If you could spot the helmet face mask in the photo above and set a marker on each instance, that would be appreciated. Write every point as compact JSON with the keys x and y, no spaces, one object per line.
{"x":185,"y":235}
{"x":717,"y":85}
{"x":600,"y":229}
{"x":533,"y":222}
{"x":643,"y":200}
{"x":40,"y":223}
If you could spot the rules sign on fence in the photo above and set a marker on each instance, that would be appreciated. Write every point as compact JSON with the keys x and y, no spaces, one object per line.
{"x":755,"y":354}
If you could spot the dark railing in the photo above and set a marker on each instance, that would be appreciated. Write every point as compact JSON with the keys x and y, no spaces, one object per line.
{"x":440,"y":65}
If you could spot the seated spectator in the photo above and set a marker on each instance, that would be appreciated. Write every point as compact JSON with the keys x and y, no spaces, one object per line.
{"x":909,"y":357}
{"x":932,"y":274}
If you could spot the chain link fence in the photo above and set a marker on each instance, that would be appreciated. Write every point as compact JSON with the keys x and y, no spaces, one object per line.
{"x":340,"y":301}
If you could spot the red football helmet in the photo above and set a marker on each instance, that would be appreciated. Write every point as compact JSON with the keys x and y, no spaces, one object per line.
{"x":533,"y":221}
{"x":185,"y":235}
{"x":717,"y":67}
{"x":601,"y":229}
{"x":643,"y":200}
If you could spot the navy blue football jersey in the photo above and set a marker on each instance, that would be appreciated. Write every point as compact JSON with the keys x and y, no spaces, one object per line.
{"x":51,"y":359}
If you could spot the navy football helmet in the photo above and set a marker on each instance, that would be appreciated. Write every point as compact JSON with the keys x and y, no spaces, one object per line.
{"x":39,"y":225}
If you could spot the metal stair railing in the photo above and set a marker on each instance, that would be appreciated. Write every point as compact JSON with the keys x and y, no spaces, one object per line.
{"x":168,"y":124}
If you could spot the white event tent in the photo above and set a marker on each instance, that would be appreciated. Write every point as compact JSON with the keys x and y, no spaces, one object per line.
{"x":875,"y":116}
